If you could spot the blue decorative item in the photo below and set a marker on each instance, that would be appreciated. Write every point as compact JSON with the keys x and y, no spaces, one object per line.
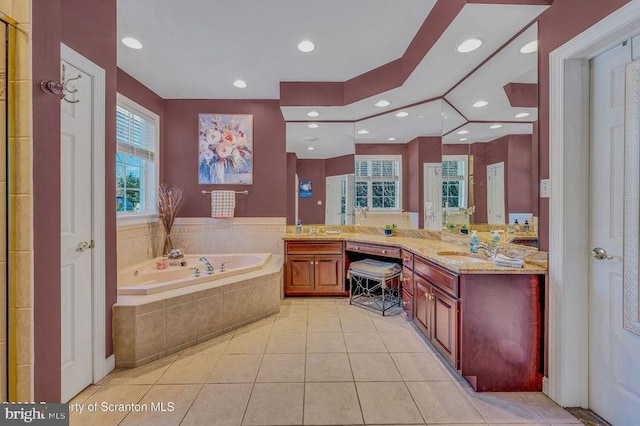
{"x":305,"y":189}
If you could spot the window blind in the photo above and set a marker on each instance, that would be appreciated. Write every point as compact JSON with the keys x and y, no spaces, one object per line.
{"x":135,"y":134}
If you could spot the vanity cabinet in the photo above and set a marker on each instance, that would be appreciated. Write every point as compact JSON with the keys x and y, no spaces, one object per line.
{"x":314,"y":268}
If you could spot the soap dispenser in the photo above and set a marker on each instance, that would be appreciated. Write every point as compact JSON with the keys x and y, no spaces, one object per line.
{"x":473,"y":242}
{"x":526,"y":226}
{"x":496,"y":237}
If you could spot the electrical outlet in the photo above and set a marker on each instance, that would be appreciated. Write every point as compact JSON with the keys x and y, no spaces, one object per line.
{"x":319,"y":202}
{"x":545,"y":188}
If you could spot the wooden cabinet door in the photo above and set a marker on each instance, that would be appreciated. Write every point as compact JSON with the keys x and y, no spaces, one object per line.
{"x":328,"y":273}
{"x":444,"y":330}
{"x":422,"y":291}
{"x":300,"y":273}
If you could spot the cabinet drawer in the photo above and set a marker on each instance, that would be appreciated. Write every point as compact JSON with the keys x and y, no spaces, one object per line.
{"x":407,"y":280}
{"x":446,"y":280}
{"x":407,"y":303}
{"x":407,"y":259}
{"x":374,"y":249}
{"x":315,"y":247}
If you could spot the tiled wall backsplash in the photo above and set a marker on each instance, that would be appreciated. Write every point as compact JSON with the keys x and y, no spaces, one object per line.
{"x":137,"y":243}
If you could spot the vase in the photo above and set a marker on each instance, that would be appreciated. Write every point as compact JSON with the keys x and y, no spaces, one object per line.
{"x":216,"y":173}
{"x":168,"y":245}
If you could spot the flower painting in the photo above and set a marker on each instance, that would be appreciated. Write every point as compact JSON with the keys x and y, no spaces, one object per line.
{"x":225,"y":154}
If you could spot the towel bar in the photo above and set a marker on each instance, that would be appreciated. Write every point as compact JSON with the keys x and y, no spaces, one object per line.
{"x":237,"y":192}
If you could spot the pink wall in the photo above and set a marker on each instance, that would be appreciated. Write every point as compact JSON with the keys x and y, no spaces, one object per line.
{"x":179,"y":156}
{"x":519,"y":175}
{"x":343,"y":165}
{"x":309,"y":211}
{"x":292,"y":168}
{"x":141,"y":94}
{"x":560,"y":23}
{"x":88,"y":27}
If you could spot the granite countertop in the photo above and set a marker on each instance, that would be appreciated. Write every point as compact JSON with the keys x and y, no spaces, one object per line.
{"x":428,"y":248}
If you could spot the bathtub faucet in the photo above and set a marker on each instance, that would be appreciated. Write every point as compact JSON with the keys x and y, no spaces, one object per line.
{"x":207,"y":266}
{"x":223,"y":266}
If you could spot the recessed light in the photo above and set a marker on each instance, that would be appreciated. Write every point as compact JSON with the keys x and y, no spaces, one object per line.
{"x":495,"y":126}
{"x":363,"y":132}
{"x":530,"y":47}
{"x":311,"y":148}
{"x":132,"y":43}
{"x":306,"y":46}
{"x":382,"y":103}
{"x":463,"y":132}
{"x":469,"y":45}
{"x":402,"y":114}
{"x":463,"y":139}
{"x":522,"y":115}
{"x":480,"y":104}
{"x":240,"y":84}
{"x":391,"y":139}
{"x":313,"y":126}
{"x":313,"y":114}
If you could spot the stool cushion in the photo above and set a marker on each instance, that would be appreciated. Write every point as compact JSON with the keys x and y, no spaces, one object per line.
{"x":374,"y":269}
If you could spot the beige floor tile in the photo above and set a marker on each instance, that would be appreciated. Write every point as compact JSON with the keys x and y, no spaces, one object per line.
{"x":352,"y":311}
{"x":389,"y":324}
{"x":291,"y":324}
{"x":406,"y":341}
{"x":109,"y":394}
{"x":106,"y":379}
{"x":328,"y":367}
{"x":236,"y":368}
{"x":364,"y":342}
{"x":275,"y":404}
{"x":247,"y":344}
{"x":217,"y":345}
{"x":286,"y":368}
{"x":373,"y":367}
{"x":189,"y":369}
{"x":291,"y":310}
{"x":219,"y":405}
{"x":295,"y":301}
{"x":322,"y":309}
{"x":287,"y":343}
{"x":443,"y":402}
{"x":325,"y":342}
{"x":357,"y":323}
{"x":145,"y":375}
{"x":181,"y":397}
{"x":419,"y":367}
{"x":331,"y":404}
{"x":323,"y":324}
{"x":84,"y":395}
{"x":259,"y":327}
{"x":387,"y":403}
{"x":548,"y":409}
{"x":503,"y":407}
{"x":322,"y":300}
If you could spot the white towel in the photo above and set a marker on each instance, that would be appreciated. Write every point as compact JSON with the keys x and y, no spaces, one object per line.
{"x":511,"y":262}
{"x":223,"y":203}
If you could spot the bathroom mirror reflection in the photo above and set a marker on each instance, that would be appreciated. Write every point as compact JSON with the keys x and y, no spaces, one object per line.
{"x":321,"y":163}
{"x":490,"y":160}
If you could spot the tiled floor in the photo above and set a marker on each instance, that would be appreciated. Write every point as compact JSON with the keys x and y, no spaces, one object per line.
{"x":319,"y":362}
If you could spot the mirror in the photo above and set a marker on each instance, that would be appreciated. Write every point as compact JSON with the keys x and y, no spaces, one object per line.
{"x":490,"y":147}
{"x":320,"y":165}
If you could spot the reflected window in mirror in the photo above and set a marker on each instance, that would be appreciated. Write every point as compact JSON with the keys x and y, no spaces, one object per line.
{"x":454,"y":182}
{"x":379,"y":182}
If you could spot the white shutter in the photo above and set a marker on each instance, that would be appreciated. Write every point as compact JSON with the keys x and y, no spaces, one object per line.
{"x":135,"y":134}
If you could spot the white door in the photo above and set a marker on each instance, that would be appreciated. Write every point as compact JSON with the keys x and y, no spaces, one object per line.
{"x":495,"y":193}
{"x":76,"y":229}
{"x":432,"y":196}
{"x":614,"y":353}
{"x":333,"y":201}
{"x":297,"y":198}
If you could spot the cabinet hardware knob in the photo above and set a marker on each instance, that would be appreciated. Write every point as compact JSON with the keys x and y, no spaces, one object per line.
{"x":384,"y":251}
{"x":406,"y":258}
{"x":405,"y":302}
{"x":405,"y":279}
{"x":430,"y":296}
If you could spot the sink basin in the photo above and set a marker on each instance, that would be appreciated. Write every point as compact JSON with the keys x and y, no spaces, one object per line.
{"x":463,"y":257}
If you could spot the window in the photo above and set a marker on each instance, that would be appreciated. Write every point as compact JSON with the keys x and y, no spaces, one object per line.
{"x":454,"y":182}
{"x":137,"y":132}
{"x":379,"y":182}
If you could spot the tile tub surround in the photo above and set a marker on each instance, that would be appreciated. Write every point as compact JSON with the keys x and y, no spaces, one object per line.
{"x":149,"y":327}
{"x":427,"y":244}
{"x":137,"y":243}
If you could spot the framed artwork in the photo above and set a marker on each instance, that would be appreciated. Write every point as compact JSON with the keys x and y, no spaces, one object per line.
{"x":305,"y":189}
{"x":225,"y":153}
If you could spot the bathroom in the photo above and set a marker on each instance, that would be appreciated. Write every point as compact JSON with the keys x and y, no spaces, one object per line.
{"x":319,"y":121}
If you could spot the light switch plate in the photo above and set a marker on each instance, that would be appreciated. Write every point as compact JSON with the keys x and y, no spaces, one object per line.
{"x":545,"y":188}
{"x":319,"y":202}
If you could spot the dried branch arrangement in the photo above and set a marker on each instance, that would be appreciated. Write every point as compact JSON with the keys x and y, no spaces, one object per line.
{"x":169,"y":201}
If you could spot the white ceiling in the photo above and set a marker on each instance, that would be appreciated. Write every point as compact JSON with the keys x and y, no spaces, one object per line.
{"x":328,"y":140}
{"x":480,"y":132}
{"x":197,"y":48}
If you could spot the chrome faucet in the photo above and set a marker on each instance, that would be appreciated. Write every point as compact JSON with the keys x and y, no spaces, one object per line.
{"x":489,"y":250}
{"x":223,"y":266}
{"x":207,"y":266}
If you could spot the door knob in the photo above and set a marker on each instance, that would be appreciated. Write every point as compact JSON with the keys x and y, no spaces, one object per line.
{"x":85,"y":245}
{"x":600,"y":254}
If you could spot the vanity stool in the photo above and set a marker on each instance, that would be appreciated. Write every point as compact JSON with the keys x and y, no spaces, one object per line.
{"x":375,"y":285}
